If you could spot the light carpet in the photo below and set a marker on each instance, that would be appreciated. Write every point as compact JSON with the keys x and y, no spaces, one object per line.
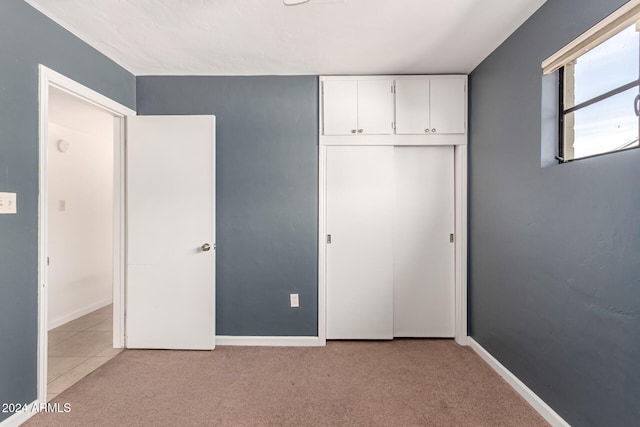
{"x":403,"y":382}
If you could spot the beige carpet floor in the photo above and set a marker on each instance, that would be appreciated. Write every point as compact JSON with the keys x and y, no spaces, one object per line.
{"x":353,"y":383}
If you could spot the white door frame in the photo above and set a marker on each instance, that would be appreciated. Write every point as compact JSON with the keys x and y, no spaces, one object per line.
{"x":460,"y":242}
{"x":459,"y":141}
{"x":49,"y":78}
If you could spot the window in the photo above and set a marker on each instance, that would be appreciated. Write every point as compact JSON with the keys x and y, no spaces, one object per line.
{"x":599,"y":98}
{"x":599,"y":90}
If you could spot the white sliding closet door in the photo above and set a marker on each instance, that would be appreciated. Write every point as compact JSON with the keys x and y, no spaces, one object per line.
{"x":423,"y":253}
{"x":360,"y":256}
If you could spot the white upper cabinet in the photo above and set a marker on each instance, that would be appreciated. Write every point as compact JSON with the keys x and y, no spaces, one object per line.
{"x":412,"y":107}
{"x":430,"y":106}
{"x":340,"y":107}
{"x":393,"y":110}
{"x":352,"y":107}
{"x":375,"y":107}
{"x":448,"y":105}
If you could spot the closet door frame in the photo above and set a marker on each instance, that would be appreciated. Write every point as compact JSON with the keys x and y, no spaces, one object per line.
{"x":458,"y":141}
{"x":460,"y":243}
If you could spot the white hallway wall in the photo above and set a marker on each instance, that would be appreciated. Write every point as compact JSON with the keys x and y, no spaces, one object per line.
{"x":80,"y":237}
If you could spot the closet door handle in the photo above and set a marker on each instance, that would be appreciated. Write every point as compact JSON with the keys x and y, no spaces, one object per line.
{"x":426,"y":130}
{"x":359,"y":130}
{"x":353,"y":131}
{"x":433,"y":130}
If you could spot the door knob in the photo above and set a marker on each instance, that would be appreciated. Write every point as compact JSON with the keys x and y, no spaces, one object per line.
{"x":359,"y":130}
{"x":353,"y":131}
{"x":426,"y":130}
{"x":205,"y":248}
{"x":433,"y":130}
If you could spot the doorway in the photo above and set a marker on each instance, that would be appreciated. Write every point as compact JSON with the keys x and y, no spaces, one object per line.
{"x":81,"y":223}
{"x":80,"y":243}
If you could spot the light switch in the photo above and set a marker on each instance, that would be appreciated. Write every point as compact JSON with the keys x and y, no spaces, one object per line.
{"x":8,"y":203}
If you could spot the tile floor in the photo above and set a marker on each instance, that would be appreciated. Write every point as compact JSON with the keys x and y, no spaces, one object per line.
{"x":78,"y":348}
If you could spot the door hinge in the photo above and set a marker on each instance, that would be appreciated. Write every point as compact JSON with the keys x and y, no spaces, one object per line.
{"x":393,"y":125}
{"x":451,"y":237}
{"x":393,"y":88}
{"x":214,"y":246}
{"x":328,"y":239}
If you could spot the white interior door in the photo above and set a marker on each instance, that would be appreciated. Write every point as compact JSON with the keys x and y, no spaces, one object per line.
{"x":170,"y":220}
{"x":412,"y":107}
{"x":375,"y":107}
{"x":448,"y":105}
{"x":423,"y":252}
{"x":360,"y":255}
{"x":340,"y":107}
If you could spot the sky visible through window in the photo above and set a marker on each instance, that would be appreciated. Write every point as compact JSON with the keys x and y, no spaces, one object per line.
{"x":610,"y":124}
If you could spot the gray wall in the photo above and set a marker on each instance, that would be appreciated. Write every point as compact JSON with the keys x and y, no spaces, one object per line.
{"x":267,"y":194}
{"x":27,"y":38}
{"x":554,"y":251}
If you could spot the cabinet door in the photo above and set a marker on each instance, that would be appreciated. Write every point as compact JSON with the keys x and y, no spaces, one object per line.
{"x":340,"y":107}
{"x":412,"y":107}
{"x":423,"y":253}
{"x":360,"y":255}
{"x":448,"y":105}
{"x":375,"y":107}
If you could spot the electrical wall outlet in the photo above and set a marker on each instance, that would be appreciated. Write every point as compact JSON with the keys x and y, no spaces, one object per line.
{"x":295,"y":300}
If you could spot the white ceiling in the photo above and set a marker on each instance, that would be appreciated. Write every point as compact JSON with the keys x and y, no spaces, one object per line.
{"x":261,"y":37}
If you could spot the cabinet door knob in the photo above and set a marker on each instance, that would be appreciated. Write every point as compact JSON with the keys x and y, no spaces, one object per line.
{"x":353,"y":131}
{"x":359,"y":130}
{"x":426,"y":130}
{"x":433,"y":130}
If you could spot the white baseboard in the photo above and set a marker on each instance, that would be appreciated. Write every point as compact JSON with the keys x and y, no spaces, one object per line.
{"x":538,"y":404}
{"x":61,"y":320}
{"x":268,"y":341}
{"x":463,"y":341}
{"x":21,"y":417}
